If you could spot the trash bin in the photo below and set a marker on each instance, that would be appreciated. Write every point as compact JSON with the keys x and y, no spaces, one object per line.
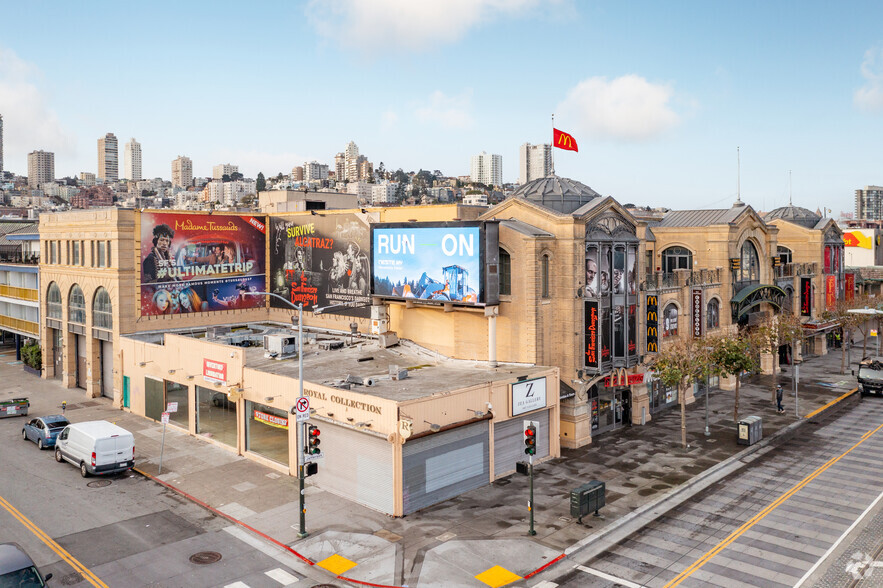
{"x":750,"y":430}
{"x":587,"y":498}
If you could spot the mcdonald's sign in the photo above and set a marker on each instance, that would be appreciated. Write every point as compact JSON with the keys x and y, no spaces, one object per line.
{"x":652,"y":324}
{"x":564,"y":141}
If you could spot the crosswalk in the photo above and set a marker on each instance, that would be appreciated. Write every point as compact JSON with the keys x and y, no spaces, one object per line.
{"x":278,"y":574}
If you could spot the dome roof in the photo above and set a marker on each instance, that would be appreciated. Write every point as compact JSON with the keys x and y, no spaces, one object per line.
{"x":794,"y":214}
{"x":560,"y":194}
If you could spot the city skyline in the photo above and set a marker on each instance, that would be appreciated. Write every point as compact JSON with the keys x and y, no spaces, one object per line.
{"x":658,"y":96}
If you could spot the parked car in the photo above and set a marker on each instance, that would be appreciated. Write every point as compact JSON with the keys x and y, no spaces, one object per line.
{"x":18,"y":569}
{"x":14,"y":407}
{"x":44,"y":430}
{"x":221,"y":400}
{"x":96,"y":447}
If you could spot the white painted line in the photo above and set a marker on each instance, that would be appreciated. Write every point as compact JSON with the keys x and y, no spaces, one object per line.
{"x":282,"y":576}
{"x":265,"y":548}
{"x":237,"y":585}
{"x":545,"y":584}
{"x":836,"y":543}
{"x":608,"y":577}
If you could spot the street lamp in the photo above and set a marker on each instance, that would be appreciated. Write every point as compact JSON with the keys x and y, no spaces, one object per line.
{"x":299,"y":432}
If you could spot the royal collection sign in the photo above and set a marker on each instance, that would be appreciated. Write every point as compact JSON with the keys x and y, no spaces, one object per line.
{"x":652,"y":320}
{"x":592,"y":360}
{"x":805,"y":297}
{"x":696,"y":298}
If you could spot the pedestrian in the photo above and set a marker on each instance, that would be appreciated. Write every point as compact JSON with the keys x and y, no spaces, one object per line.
{"x":63,"y":406}
{"x":779,"y":394}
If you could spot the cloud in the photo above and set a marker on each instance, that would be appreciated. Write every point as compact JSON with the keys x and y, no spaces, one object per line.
{"x":627,"y":108}
{"x":870,"y":96}
{"x":388,"y":121}
{"x":28,"y":122}
{"x":413,"y":25}
{"x":451,"y":112}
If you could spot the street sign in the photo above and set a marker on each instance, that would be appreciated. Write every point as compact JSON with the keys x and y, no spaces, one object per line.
{"x":308,"y":457}
{"x":172,"y":407}
{"x":302,"y":409}
{"x":165,"y":418}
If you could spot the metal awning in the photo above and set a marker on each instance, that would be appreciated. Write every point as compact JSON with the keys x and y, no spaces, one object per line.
{"x":751,"y":296}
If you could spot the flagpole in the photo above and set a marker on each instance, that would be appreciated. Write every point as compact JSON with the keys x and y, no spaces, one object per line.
{"x":552,"y":149}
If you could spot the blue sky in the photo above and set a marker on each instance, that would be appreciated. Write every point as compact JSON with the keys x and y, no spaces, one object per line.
{"x":659,"y":95}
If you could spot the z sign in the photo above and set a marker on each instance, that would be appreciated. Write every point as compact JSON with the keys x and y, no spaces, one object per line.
{"x":528,"y":395}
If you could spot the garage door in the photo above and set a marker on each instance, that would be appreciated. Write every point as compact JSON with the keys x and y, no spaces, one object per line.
{"x":509,"y":441}
{"x":440,"y":466}
{"x":357,"y":466}
{"x":106,"y":368}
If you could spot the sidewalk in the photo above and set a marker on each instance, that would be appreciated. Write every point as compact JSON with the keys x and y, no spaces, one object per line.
{"x":645,"y":469}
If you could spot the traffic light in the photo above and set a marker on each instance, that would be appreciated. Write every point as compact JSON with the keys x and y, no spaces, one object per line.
{"x":313,"y":440}
{"x":530,"y":438}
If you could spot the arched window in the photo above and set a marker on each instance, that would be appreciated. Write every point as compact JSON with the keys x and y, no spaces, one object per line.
{"x":76,"y":303}
{"x":102,"y":310}
{"x":505,"y":273}
{"x":784,"y":254}
{"x":670,"y":320}
{"x":675,"y":258}
{"x":53,"y":302}
{"x":749,"y":270}
{"x":545,"y":276}
{"x":713,"y":314}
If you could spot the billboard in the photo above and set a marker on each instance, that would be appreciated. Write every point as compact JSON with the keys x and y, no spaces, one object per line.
{"x":805,"y":297}
{"x":435,"y":262}
{"x":592,"y":361}
{"x":652,"y":320}
{"x":321,"y":260}
{"x":697,"y":312}
{"x":192,"y":262}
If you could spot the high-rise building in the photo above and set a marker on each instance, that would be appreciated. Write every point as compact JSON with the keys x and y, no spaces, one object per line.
{"x":41,"y":168}
{"x":224,"y":169}
{"x":297,"y":173}
{"x":1,"y":146}
{"x":534,"y":161}
{"x":351,"y":155}
{"x":108,"y":158}
{"x":315,"y":171}
{"x":182,"y":172}
{"x":487,"y":169}
{"x":340,"y":167}
{"x":366,"y":168}
{"x":133,"y":160}
{"x":869,"y":203}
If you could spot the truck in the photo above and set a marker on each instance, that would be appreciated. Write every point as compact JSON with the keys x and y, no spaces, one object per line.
{"x":870,"y":376}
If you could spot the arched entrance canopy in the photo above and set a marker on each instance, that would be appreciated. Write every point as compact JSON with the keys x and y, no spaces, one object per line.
{"x":751,"y":296}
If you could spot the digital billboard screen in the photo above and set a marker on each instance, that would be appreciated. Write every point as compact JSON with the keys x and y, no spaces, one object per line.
{"x":321,"y":261}
{"x":201,"y":262}
{"x":436,"y":262}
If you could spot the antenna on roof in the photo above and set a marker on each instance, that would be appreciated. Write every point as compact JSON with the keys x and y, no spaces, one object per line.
{"x":789,"y":189}
{"x":553,"y":144}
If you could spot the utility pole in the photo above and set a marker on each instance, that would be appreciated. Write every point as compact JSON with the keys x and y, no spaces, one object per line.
{"x":299,"y":427}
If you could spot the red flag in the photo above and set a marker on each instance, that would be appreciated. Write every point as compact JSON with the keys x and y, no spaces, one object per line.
{"x":564,"y":141}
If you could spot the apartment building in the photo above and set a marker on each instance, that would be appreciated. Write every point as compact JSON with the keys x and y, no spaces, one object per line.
{"x":41,"y":168}
{"x":487,"y":169}
{"x":534,"y":161}
{"x":133,"y":160}
{"x":182,"y":172}
{"x":108,"y":158}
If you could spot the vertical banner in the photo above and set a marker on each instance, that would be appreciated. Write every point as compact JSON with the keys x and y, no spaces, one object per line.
{"x":592,"y":359}
{"x":652,"y":321}
{"x":591,"y":271}
{"x":850,"y":286}
{"x":632,"y":346}
{"x":805,"y":297}
{"x":827,"y":259}
{"x":696,"y":298}
{"x":830,"y":291}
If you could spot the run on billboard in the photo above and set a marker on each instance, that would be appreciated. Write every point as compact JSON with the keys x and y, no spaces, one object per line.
{"x":321,"y":261}
{"x":201,"y":262}
{"x":433,"y":263}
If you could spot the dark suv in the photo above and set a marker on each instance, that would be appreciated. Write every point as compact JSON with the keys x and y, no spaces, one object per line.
{"x":17,"y":569}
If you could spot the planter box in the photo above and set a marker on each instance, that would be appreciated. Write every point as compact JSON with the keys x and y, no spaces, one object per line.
{"x":31,"y":370}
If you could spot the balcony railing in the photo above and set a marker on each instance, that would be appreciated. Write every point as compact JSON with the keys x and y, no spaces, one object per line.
{"x":26,"y":260}
{"x":790,"y":270}
{"x":20,"y":293}
{"x":20,"y":325}
{"x":680,"y":278}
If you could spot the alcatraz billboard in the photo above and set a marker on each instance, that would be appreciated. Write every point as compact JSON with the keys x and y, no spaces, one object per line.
{"x":321,"y":261}
{"x":200,"y":262}
{"x":437,"y":262}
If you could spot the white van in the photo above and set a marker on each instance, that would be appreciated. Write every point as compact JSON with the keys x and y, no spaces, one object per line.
{"x":96,"y":447}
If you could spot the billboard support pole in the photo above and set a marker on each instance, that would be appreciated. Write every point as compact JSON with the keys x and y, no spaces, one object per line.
{"x":492,"y":341}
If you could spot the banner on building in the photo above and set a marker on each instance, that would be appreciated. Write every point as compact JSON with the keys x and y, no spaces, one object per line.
{"x":696,"y":298}
{"x":199,"y":262}
{"x":849,"y":280}
{"x":321,"y":261}
{"x":805,"y":297}
{"x":830,"y":291}
{"x":592,"y":359}
{"x":652,"y":321}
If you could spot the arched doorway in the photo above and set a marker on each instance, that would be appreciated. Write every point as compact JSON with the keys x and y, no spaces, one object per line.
{"x":76,"y":319}
{"x":56,"y":339}
{"x":102,"y":331}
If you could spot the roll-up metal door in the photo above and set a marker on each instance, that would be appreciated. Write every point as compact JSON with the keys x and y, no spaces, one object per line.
{"x":444,"y":465}
{"x":509,"y":441}
{"x":357,"y":466}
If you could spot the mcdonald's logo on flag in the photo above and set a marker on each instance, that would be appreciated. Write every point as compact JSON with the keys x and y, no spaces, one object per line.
{"x":564,"y":141}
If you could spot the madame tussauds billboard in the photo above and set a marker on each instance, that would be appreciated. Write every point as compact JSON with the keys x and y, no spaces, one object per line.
{"x":201,"y":262}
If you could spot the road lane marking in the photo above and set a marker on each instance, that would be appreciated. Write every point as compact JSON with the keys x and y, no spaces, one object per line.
{"x":267,"y":549}
{"x":762,"y":514}
{"x":836,"y":543}
{"x":608,"y":577}
{"x":58,"y":549}
{"x":281,"y":576}
{"x":832,"y":403}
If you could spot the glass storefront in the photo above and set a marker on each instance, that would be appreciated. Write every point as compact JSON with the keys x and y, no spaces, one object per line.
{"x":176,"y":392}
{"x":266,"y":431}
{"x":154,"y":399}
{"x":158,"y":394}
{"x":215,"y":416}
{"x":610,"y":408}
{"x":662,"y":396}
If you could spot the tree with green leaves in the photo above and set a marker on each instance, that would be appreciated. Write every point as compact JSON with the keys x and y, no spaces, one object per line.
{"x":849,"y":322}
{"x":733,"y":356}
{"x":261,"y":182}
{"x":679,"y":364}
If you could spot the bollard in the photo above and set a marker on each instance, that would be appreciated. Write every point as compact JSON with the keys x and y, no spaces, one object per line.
{"x":643,"y":415}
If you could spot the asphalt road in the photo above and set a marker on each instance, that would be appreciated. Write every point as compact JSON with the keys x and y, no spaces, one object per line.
{"x":123,"y":530}
{"x":797,"y":514}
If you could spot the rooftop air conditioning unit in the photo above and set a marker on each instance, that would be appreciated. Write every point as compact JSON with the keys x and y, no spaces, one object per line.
{"x":280,"y":346}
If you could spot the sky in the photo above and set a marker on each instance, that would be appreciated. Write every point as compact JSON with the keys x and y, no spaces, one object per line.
{"x":681,"y":104}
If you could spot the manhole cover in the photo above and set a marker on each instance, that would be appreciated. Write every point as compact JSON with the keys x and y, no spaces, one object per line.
{"x":71,"y":579}
{"x":98,"y":483}
{"x":205,"y":557}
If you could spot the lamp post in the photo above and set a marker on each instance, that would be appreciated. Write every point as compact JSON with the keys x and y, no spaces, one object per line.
{"x":299,"y":434}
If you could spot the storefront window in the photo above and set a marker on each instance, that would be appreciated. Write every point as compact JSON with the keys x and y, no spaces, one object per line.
{"x":505,"y":273}
{"x":266,"y":431}
{"x":216,"y":416}
{"x":713,"y":314}
{"x":176,"y":392}
{"x":154,"y":399}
